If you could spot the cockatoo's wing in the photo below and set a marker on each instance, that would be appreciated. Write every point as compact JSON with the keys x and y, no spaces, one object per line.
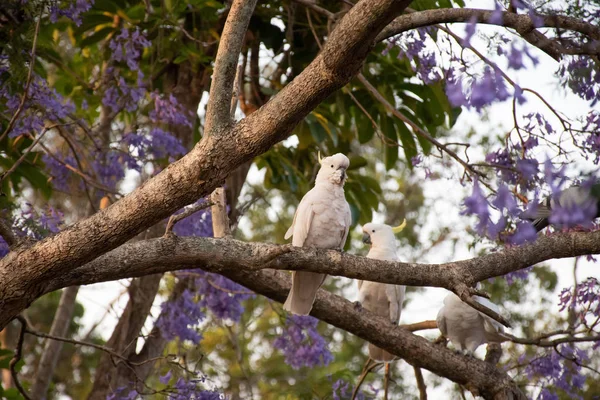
{"x":302,"y":221}
{"x":395,"y":294}
{"x":441,"y":321}
{"x":348,"y":222}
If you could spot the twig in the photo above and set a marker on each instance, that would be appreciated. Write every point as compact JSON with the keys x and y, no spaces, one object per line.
{"x":27,"y":151}
{"x":481,"y":308}
{"x":13,"y":120}
{"x":420,"y":326}
{"x":386,"y":381}
{"x":313,"y":6}
{"x":420,"y":383}
{"x":186,"y":213}
{"x":365,"y":371}
{"x":17,"y":357}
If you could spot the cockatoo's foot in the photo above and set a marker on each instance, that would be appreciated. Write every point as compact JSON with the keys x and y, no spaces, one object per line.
{"x":357,"y":305}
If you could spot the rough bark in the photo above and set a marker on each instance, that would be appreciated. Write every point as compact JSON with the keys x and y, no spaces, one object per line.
{"x":52,"y":348}
{"x":24,"y":273}
{"x":214,"y":255}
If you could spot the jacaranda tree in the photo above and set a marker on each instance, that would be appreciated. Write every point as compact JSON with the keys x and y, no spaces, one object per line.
{"x":127,"y":133}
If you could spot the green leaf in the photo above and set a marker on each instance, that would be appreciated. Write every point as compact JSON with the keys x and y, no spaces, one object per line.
{"x":317,"y":130}
{"x":12,"y":394}
{"x":391,"y":149}
{"x":96,"y":37}
{"x":408,"y":142}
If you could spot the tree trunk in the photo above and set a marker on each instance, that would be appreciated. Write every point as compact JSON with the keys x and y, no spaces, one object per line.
{"x":52,"y":348}
{"x":124,"y":338}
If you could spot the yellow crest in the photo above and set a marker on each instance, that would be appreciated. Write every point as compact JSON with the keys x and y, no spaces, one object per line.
{"x":399,"y":228}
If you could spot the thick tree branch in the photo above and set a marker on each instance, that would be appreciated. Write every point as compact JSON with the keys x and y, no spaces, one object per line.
{"x":230,"y":45}
{"x":24,"y":273}
{"x":217,"y":255}
{"x":487,"y":380}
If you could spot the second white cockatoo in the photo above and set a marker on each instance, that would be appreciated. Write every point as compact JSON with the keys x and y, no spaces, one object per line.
{"x":381,"y":298}
{"x":322,"y":220}
{"x":466,"y":327}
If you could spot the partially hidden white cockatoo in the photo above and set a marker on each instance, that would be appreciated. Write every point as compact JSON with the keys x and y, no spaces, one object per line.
{"x":322,"y":220}
{"x":381,"y":298}
{"x":466,"y":327}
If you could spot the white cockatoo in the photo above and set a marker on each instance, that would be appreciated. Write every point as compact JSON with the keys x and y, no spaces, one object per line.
{"x":381,"y":298}
{"x":466,"y":327}
{"x":322,"y":220}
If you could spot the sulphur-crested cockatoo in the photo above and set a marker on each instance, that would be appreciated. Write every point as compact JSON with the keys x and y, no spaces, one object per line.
{"x":466,"y":327}
{"x":381,"y":298}
{"x":322,"y":220}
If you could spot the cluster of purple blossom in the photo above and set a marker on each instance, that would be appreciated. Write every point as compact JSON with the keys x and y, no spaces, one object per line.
{"x":180,"y":317}
{"x":182,"y":390}
{"x":584,"y":300}
{"x":412,"y":48}
{"x":126,"y":47}
{"x":42,"y":104}
{"x":558,"y":368}
{"x":302,"y":344}
{"x":70,"y":9}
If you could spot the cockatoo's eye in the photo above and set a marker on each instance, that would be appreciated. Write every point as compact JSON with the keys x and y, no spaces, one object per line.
{"x":331,"y":165}
{"x":373,"y":231}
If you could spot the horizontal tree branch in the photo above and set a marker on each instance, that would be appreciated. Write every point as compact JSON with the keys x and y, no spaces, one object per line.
{"x":171,"y":253}
{"x":24,"y":273}
{"x":522,"y":23}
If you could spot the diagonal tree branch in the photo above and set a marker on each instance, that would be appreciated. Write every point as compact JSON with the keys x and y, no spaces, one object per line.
{"x":25,"y":273}
{"x":486,"y":380}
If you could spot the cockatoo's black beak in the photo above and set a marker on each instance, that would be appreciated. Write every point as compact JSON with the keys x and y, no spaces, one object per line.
{"x":366,"y":238}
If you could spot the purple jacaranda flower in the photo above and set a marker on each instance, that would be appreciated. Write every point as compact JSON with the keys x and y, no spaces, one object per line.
{"x":169,"y":111}
{"x":416,"y":160}
{"x":127,"y":47}
{"x":180,"y":317}
{"x":520,"y":274}
{"x":519,"y":96}
{"x":71,"y":10}
{"x":497,"y":16}
{"x":221,"y":296}
{"x":164,"y":144}
{"x":164,"y":379}
{"x":4,"y":249}
{"x":505,"y":200}
{"x":469,"y":31}
{"x":476,"y":204}
{"x":123,"y":393}
{"x":302,"y":344}
{"x":454,"y":91}
{"x":189,"y":389}
{"x":524,"y":233}
{"x":528,"y":167}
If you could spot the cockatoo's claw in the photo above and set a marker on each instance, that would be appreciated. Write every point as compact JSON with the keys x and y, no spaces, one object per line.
{"x":357,"y":305}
